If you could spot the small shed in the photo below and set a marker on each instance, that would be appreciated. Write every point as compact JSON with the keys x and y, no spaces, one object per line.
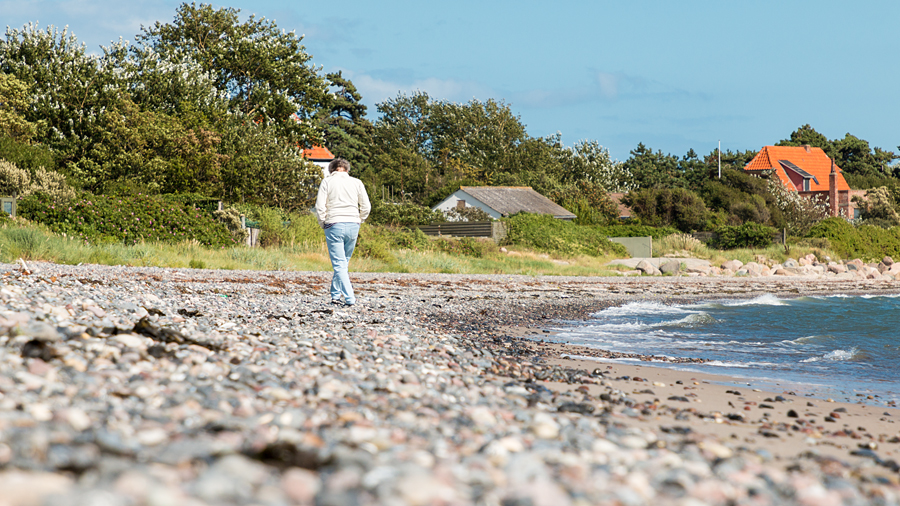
{"x":500,"y":201}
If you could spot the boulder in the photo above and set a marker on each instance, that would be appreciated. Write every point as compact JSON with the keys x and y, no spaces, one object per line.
{"x":671,"y":267}
{"x":836,"y":268}
{"x":887,"y":261}
{"x":647,"y":268}
{"x":754,"y":269}
{"x":790,"y":263}
{"x":855,"y":264}
{"x":732,"y":265}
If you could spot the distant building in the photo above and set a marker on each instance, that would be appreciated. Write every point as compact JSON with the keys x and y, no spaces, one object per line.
{"x":624,"y":211}
{"x":500,"y":201}
{"x":320,"y":156}
{"x":809,"y":172}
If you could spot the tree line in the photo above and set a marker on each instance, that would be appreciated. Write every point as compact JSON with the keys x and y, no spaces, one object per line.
{"x":211,"y":105}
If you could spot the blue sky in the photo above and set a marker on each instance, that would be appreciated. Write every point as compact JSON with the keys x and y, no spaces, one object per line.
{"x":673,"y":75}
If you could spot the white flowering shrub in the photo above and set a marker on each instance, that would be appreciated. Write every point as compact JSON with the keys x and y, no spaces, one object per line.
{"x":16,"y":181}
{"x":800,"y":213}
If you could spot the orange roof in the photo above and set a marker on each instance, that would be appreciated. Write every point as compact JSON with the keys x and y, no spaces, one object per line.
{"x":318,"y":153}
{"x":811,"y":160}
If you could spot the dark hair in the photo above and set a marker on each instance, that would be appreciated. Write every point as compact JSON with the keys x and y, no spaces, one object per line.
{"x":338,"y":163}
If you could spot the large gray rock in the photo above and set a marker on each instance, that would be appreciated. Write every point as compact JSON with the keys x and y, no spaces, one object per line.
{"x":671,"y":267}
{"x":647,"y":268}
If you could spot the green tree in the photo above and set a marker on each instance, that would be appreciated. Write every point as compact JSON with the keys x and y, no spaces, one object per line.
{"x":879,"y":206}
{"x":653,"y":170}
{"x":68,"y":88}
{"x":342,"y":118}
{"x":264,"y":72}
{"x":14,"y":100}
{"x":854,"y":156}
{"x":806,"y":135}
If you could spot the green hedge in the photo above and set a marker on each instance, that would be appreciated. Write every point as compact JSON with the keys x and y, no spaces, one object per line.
{"x":748,"y":235}
{"x":545,"y":233}
{"x":865,"y":242}
{"x":133,"y":219}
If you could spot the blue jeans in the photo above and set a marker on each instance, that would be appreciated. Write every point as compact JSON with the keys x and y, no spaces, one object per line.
{"x":341,"y":240}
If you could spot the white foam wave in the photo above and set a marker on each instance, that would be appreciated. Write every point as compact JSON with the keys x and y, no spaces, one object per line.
{"x":717,"y":363}
{"x":689,"y":321}
{"x":809,"y":339}
{"x":763,"y":300}
{"x":641,"y":308}
{"x":835,"y":356}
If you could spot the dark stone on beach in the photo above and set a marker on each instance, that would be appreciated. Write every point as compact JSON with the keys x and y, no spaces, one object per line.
{"x":157,"y":351}
{"x":583,"y":408}
{"x":779,"y":398}
{"x":735,"y":392}
{"x":735,"y":417}
{"x":840,"y":410}
{"x":284,"y":455}
{"x":76,"y":459}
{"x":829,"y":419}
{"x":766,"y":406}
{"x":792,"y":414}
{"x":38,"y":349}
{"x":676,"y":429}
{"x":678,"y":398}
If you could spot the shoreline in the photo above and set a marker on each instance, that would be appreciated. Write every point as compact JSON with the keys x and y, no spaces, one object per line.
{"x":191,"y":387}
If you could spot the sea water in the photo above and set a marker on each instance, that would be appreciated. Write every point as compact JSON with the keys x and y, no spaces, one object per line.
{"x":841,"y":347}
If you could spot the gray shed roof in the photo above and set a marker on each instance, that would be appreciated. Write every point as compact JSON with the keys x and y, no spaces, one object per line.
{"x":508,"y":200}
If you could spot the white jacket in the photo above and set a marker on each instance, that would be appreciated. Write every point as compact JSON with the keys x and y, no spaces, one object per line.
{"x":342,"y":199}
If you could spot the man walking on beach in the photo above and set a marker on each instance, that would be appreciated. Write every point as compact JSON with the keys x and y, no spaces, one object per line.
{"x":341,"y":206}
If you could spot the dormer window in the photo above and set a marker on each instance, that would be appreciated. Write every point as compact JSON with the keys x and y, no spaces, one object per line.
{"x":789,"y":166}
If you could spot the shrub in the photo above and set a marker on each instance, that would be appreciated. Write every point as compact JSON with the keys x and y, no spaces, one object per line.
{"x":589,"y":202}
{"x":280,"y":228}
{"x":466,"y":246}
{"x":682,"y":242}
{"x":25,"y":156}
{"x":21,"y":182}
{"x":748,"y":235}
{"x":545,"y":233}
{"x":134,"y":219}
{"x":402,"y":215}
{"x":231,"y":218}
{"x":798,"y":213}
{"x":879,"y":207}
{"x":864,"y":241}
{"x":676,"y":207}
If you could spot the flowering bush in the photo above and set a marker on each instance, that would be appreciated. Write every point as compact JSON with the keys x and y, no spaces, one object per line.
{"x":131,"y":219}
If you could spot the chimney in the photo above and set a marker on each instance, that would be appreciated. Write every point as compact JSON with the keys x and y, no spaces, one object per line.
{"x":833,"y":191}
{"x":806,"y":147}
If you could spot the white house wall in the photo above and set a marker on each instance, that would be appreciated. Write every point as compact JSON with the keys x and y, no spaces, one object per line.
{"x":450,"y":203}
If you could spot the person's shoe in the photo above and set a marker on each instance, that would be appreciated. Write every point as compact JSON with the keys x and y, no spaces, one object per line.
{"x":337,"y":302}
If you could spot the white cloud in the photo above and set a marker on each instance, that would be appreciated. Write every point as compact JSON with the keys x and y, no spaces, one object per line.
{"x":376,"y":90}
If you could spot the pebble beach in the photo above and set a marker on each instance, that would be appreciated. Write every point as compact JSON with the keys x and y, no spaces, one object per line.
{"x":151,"y":386}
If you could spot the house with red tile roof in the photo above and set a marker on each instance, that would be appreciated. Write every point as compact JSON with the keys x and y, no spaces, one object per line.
{"x":320,"y":156}
{"x":807,"y":171}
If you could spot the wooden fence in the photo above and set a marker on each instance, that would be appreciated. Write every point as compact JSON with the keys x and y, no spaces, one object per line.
{"x":496,"y":230}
